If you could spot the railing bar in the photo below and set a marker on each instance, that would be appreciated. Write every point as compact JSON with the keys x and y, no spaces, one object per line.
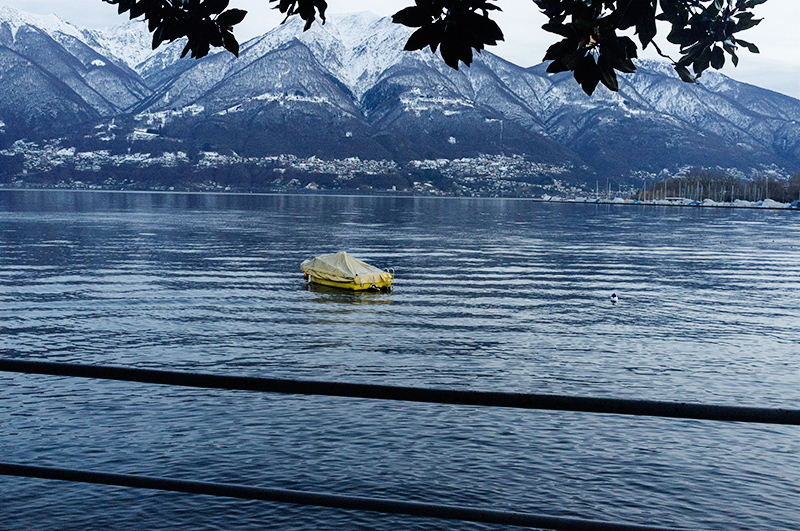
{"x":682,"y":410}
{"x":382,"y":505}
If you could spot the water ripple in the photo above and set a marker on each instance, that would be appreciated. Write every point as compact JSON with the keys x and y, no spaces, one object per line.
{"x":490,"y":295}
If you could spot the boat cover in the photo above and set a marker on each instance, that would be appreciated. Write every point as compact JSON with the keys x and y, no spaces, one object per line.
{"x":342,"y":267}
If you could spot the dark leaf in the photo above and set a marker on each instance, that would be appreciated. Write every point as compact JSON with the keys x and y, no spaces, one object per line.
{"x":560,"y":49}
{"x":213,"y":34}
{"x":717,"y":58}
{"x":703,"y":61}
{"x":202,"y":49}
{"x":618,"y":52}
{"x":557,"y":66}
{"x":231,"y":17}
{"x":157,"y":38}
{"x":587,"y":73}
{"x":729,"y":47}
{"x":138,"y":9}
{"x":646,"y":32}
{"x":607,"y":74}
{"x":321,"y":6}
{"x":215,"y":6}
{"x":186,"y":49}
{"x":620,"y":63}
{"x":486,"y":29}
{"x":749,"y":45}
{"x":450,"y":52}
{"x":746,"y":21}
{"x":307,"y":9}
{"x":684,"y":74}
{"x":230,"y":43}
{"x":681,"y":36}
{"x":413,"y":17}
{"x":424,"y":36}
{"x":564,"y":30}
{"x":670,"y":11}
{"x":124,"y":5}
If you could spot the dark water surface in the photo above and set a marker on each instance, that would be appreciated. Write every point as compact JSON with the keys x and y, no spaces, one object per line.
{"x":490,"y":295}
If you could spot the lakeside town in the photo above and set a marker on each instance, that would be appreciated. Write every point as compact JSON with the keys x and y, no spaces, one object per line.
{"x":28,"y":165}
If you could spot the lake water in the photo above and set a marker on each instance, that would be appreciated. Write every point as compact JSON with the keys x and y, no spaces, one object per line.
{"x":505,"y":295}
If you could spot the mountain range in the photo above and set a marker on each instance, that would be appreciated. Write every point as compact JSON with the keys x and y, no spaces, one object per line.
{"x":347,"y":89}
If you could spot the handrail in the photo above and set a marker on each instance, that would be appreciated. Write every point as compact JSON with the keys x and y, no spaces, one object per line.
{"x":381,"y":392}
{"x":382,"y":505}
{"x":617,"y":406}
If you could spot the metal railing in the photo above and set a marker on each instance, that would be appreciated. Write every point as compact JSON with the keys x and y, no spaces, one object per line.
{"x":379,"y":392}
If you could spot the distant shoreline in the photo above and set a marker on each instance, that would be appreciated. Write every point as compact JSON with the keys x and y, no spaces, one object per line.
{"x":770,"y":204}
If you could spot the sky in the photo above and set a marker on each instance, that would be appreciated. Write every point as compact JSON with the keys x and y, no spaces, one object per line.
{"x":777,"y":67}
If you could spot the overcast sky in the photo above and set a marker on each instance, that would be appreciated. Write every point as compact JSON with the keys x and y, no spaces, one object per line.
{"x":776,"y":68}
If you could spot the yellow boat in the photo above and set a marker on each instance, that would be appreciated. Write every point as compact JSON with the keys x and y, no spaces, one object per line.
{"x":341,"y":270}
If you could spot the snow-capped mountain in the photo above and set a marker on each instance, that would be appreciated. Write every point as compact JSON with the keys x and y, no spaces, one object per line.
{"x":54,"y":74}
{"x":13,"y":19}
{"x":127,"y":44}
{"x":347,"y":88}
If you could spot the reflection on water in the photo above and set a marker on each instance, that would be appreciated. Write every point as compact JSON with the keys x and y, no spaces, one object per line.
{"x":489,"y":295}
{"x":329,"y":295}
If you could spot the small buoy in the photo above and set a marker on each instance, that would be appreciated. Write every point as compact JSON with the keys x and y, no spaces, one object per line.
{"x":614,"y":297}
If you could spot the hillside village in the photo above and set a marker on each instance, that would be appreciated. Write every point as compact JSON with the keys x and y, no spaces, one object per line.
{"x":52,"y":165}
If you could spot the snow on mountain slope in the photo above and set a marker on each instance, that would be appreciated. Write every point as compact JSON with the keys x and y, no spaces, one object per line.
{"x":50,"y":24}
{"x":355,"y":48}
{"x":358,"y":48}
{"x":64,"y":71}
{"x":164,"y":64}
{"x":364,"y":53}
{"x":348,"y":83}
{"x":128,"y":43}
{"x":33,"y":99}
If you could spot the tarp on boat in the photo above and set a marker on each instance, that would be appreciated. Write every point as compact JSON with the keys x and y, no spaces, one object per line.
{"x":342,"y":267}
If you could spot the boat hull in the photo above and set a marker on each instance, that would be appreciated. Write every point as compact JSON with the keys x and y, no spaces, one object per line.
{"x":384,"y":285}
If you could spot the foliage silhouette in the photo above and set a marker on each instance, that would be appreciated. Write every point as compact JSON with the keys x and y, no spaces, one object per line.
{"x":592,"y":45}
